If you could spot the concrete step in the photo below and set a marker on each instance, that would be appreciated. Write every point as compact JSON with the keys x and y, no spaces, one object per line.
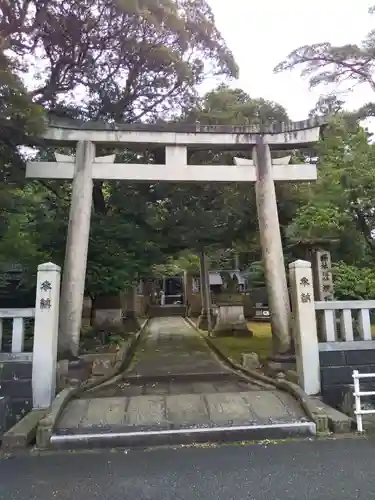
{"x":106,"y":438}
{"x":338,"y":422}
{"x":150,"y":419}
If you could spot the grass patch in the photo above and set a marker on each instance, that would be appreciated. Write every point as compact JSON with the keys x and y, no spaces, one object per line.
{"x":234,"y":347}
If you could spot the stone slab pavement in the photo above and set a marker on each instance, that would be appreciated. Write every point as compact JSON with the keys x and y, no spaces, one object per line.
{"x":155,"y":388}
{"x":172,"y":347}
{"x":164,"y":412}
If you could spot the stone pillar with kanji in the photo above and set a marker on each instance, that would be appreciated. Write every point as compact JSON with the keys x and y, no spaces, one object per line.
{"x":322,"y":272}
{"x":304,"y":326}
{"x":46,"y":335}
{"x":323,"y":284}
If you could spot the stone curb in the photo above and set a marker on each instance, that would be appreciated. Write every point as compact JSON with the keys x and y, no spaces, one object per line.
{"x":181,"y":436}
{"x":46,"y":425}
{"x":116,"y":374}
{"x":230,"y":365}
{"x":23,"y":433}
{"x":311,"y":408}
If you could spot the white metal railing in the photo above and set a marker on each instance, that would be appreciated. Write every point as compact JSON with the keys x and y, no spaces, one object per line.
{"x":18,"y":328}
{"x":345,"y":308}
{"x":359,"y":412}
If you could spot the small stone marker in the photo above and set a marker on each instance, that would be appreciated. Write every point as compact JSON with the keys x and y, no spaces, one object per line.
{"x":45,"y":335}
{"x":304,"y":326}
{"x":250,"y":361}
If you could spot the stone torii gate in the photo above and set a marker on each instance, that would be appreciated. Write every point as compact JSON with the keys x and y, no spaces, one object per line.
{"x":177,"y":139}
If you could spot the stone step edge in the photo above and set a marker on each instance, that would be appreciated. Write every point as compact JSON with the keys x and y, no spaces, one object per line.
{"x":46,"y":425}
{"x":178,"y":377}
{"x":338,"y":422}
{"x":184,"y":436}
{"x":314,"y":411}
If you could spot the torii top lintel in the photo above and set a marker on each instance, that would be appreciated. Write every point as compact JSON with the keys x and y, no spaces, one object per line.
{"x":282,"y":136}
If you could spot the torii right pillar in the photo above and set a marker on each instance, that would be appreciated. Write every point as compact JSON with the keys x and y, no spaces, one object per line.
{"x":272,"y":251}
{"x":271,"y":242}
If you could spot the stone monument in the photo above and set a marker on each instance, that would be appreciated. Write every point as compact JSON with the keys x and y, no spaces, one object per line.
{"x":322,"y":273}
{"x":231,"y":317}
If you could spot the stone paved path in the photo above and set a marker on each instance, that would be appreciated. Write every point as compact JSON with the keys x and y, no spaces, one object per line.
{"x":171,"y":348}
{"x":205,"y":394}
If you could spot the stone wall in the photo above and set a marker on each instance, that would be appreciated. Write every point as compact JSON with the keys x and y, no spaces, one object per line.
{"x":15,"y":385}
{"x":108,"y":312}
{"x":336,"y":369}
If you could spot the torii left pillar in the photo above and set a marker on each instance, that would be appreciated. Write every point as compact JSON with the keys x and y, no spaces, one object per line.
{"x":81,"y":169}
{"x":74,"y":274}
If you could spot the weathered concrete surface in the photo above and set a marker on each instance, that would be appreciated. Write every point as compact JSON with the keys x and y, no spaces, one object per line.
{"x":162,"y":412}
{"x":282,"y":136}
{"x":172,"y":348}
{"x":139,"y":388}
{"x":23,"y":433}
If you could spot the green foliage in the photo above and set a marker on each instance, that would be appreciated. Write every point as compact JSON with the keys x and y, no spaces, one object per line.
{"x":217,"y":216}
{"x":226,"y":106}
{"x":19,"y":116}
{"x":175,"y":266}
{"x":130,"y":60}
{"x":255,"y":274}
{"x":142,"y":60}
{"x":353,"y":283}
{"x":338,"y":209}
{"x":316,"y":223}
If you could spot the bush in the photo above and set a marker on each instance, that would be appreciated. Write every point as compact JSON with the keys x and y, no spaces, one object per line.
{"x":353,"y":283}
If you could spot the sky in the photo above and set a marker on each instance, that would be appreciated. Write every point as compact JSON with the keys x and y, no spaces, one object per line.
{"x":262,"y":33}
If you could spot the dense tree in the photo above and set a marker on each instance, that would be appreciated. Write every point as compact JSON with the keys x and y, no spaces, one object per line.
{"x":218,"y":215}
{"x":339,"y":209}
{"x":20,"y":120}
{"x":345,"y":66}
{"x":341,"y":204}
{"x":226,"y":106}
{"x":175,"y":266}
{"x":142,"y":60}
{"x":127,"y":60}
